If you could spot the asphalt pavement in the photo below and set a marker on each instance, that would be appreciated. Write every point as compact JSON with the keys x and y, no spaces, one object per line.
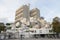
{"x":35,"y":39}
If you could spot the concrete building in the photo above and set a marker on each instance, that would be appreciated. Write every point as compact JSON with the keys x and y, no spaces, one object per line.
{"x":42,"y":22}
{"x":29,"y":17}
{"x":23,"y":15}
{"x":35,"y":13}
{"x":22,"y":12}
{"x":34,"y":22}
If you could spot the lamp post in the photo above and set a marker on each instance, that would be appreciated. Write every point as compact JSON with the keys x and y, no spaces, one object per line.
{"x":21,"y":36}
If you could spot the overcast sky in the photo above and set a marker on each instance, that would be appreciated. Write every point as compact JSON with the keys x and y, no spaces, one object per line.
{"x":48,"y":8}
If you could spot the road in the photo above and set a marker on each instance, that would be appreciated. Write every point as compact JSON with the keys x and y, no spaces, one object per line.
{"x":35,"y":39}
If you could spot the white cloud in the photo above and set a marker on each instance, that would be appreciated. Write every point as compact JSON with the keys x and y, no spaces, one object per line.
{"x":4,"y":20}
{"x":8,"y":8}
{"x":49,"y":13}
{"x":3,"y":10}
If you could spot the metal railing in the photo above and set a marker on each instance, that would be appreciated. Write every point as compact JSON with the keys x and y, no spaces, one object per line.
{"x":22,"y":37}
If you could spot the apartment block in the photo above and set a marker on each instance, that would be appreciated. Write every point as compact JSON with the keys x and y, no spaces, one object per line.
{"x":35,"y":13}
{"x":23,"y":15}
{"x":22,"y":12}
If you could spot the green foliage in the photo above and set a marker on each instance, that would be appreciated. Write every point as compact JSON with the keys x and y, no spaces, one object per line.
{"x":30,"y":26}
{"x":2,"y":27}
{"x":7,"y":23}
{"x":50,"y":31}
{"x":56,"y":25}
{"x":27,"y":30}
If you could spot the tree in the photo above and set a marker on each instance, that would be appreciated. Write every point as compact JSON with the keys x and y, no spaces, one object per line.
{"x":56,"y":25}
{"x":2,"y":27}
{"x":8,"y":24}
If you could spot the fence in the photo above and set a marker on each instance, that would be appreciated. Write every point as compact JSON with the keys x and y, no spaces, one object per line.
{"x":25,"y":36}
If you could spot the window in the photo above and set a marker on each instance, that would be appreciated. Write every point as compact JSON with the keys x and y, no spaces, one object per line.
{"x":40,"y":31}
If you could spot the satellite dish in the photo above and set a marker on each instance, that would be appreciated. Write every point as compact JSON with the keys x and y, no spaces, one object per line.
{"x":17,"y":24}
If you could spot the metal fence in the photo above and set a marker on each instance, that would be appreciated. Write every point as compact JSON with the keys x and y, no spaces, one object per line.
{"x":23,"y":37}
